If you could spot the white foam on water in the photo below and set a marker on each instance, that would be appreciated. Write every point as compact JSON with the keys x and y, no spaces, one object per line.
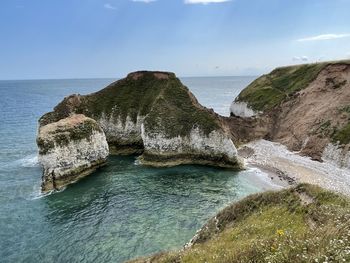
{"x":264,"y":177}
{"x":37,"y":194}
{"x":29,"y":161}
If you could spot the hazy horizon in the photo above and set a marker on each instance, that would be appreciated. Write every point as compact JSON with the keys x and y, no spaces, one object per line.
{"x":117,"y":78}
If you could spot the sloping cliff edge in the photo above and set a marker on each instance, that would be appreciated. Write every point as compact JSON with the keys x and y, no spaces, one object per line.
{"x":305,"y":107}
{"x":300,"y":224}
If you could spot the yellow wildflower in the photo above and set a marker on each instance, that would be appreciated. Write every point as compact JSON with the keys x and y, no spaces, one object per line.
{"x":280,"y":232}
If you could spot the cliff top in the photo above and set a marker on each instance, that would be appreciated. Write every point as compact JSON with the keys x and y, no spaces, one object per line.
{"x":270,"y":90}
{"x":66,"y":130}
{"x":157,"y":74}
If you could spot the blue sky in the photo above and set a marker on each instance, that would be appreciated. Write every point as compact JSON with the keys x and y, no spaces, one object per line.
{"x":97,"y":38}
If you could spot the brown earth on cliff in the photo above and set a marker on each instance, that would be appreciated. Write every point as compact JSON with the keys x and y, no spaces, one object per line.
{"x":304,"y":107}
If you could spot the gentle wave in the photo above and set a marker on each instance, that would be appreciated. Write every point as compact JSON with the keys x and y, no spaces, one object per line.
{"x":264,"y":177}
{"x":37,"y":194}
{"x":29,"y":161}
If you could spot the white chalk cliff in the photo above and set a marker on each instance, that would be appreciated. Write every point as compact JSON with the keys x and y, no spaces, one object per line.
{"x":241,"y":109}
{"x":337,"y":155}
{"x":70,"y":149}
{"x":212,"y":149}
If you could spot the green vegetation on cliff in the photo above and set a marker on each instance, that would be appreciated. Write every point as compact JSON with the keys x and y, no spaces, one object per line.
{"x":342,"y":136}
{"x":301,"y":224}
{"x":129,"y":97}
{"x":269,"y":90}
{"x":176,"y":112}
{"x":338,"y":133}
{"x":151,"y":112}
{"x":63,"y":133}
{"x":168,"y":105}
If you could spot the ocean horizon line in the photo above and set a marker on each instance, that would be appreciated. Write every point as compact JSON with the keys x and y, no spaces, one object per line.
{"x":117,"y":78}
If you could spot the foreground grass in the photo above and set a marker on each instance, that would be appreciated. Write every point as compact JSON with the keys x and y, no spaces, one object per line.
{"x":302,"y":224}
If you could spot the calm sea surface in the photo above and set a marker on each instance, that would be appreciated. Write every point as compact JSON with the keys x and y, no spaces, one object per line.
{"x":121,"y":212}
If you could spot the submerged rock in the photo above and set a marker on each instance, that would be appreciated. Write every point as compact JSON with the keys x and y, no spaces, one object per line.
{"x":154,"y":114}
{"x":70,"y":149}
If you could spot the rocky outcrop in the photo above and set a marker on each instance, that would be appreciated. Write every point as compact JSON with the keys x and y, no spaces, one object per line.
{"x":337,"y":154}
{"x":241,"y":109}
{"x":152,"y":114}
{"x":70,"y":149}
{"x":305,"y":107}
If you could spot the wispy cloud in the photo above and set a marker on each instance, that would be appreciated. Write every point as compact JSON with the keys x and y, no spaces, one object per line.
{"x":323,"y":37}
{"x":205,"y":2}
{"x":109,"y":6}
{"x":144,"y":1}
{"x":302,"y":58}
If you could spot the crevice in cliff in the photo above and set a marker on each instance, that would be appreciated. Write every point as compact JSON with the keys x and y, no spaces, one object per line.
{"x":54,"y":186}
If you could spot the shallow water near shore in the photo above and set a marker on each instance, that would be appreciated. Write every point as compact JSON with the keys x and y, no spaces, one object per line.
{"x":122,"y":211}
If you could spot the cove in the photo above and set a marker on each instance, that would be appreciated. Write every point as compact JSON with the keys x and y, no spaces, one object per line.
{"x":125,"y":210}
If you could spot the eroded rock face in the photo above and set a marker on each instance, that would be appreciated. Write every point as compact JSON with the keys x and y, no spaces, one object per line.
{"x":124,"y":137}
{"x":241,"y":109}
{"x":305,"y":107}
{"x":69,"y":149}
{"x":148,"y":113}
{"x":337,"y":154}
{"x":119,"y":109}
{"x":214,"y":149}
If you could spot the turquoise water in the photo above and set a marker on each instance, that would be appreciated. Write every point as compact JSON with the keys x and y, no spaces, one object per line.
{"x":122,"y":211}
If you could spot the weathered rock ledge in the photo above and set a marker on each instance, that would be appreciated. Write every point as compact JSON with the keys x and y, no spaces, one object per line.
{"x":147,"y":113}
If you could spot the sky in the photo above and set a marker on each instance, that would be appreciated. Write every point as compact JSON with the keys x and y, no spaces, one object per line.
{"x":45,"y":39}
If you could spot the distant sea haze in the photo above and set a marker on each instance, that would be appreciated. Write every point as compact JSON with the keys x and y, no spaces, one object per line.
{"x":113,"y":214}
{"x":217,"y":92}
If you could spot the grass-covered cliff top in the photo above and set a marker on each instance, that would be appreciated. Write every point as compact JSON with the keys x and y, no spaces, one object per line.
{"x":301,"y":224}
{"x":269,"y":90}
{"x":65,"y":131}
{"x":161,"y":96}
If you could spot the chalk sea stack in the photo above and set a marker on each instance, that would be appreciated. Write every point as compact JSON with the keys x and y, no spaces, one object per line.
{"x":305,"y":107}
{"x":151,"y":114}
{"x":70,"y":149}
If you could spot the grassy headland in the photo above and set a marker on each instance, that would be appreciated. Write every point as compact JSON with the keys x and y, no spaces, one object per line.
{"x":301,"y":224}
{"x":269,"y":90}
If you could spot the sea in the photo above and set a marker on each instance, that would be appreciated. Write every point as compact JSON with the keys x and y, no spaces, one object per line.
{"x":123,"y":211}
